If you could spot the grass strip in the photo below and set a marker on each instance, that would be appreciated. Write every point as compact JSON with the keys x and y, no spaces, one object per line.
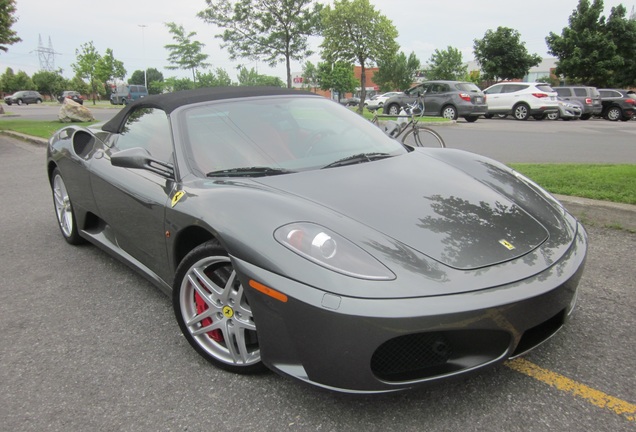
{"x":38,"y":128}
{"x":607,"y":182}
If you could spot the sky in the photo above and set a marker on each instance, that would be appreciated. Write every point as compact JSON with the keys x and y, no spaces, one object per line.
{"x":136,"y":32}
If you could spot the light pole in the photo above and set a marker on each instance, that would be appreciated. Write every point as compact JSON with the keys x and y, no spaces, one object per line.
{"x":143,"y":52}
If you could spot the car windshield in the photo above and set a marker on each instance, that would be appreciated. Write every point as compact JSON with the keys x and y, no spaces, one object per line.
{"x":277,"y":135}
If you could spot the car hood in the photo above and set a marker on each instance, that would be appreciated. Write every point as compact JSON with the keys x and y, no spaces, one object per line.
{"x":433,"y":207}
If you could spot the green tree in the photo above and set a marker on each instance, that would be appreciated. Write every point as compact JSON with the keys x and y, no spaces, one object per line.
{"x":7,"y":81}
{"x":274,"y":31}
{"x":337,"y":76}
{"x":310,"y":76}
{"x":623,"y":32}
{"x":109,"y":69}
{"x":23,"y":81}
{"x":219,"y":78}
{"x":354,"y":32}
{"x":447,"y":65}
{"x":253,"y":78}
{"x":7,"y":19}
{"x":86,"y":65}
{"x":185,"y":53}
{"x":596,"y":51}
{"x":173,"y":84}
{"x":153,"y":77}
{"x":49,"y":82}
{"x":78,"y":84}
{"x":502,"y":56}
{"x":396,"y":72}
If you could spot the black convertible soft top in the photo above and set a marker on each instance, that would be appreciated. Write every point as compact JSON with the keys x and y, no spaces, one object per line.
{"x":168,"y":102}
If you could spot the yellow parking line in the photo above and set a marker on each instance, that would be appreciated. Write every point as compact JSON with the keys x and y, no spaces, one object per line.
{"x":560,"y":382}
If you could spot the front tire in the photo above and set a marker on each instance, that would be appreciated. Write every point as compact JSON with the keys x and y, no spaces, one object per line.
{"x":521,"y":111}
{"x":553,"y":116}
{"x":64,"y":210}
{"x":471,"y":119}
{"x":213,"y":311}
{"x":20,"y":102}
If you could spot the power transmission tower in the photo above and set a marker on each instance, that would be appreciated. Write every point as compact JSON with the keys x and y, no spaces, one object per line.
{"x":46,"y":55}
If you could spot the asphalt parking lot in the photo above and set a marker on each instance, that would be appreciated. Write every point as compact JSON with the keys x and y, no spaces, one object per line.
{"x":88,"y":345}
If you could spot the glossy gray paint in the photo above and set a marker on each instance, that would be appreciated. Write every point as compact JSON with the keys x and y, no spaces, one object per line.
{"x":427,"y":215}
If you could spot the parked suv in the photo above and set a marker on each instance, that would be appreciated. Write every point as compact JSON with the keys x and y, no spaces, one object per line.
{"x":588,"y":96}
{"x":448,"y":99}
{"x":618,"y":104}
{"x":24,"y":97}
{"x":128,"y":93}
{"x":522,"y":100}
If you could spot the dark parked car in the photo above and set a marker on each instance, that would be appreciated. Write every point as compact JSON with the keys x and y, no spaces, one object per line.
{"x":293,"y":234}
{"x":589,"y":98}
{"x":73,"y":95}
{"x":449,"y":99}
{"x":24,"y":97}
{"x":352,"y":101}
{"x":618,"y":104}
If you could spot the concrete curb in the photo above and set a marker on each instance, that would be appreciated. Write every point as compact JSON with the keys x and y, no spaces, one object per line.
{"x":24,"y":137}
{"x":588,"y":211}
{"x":601,"y":213}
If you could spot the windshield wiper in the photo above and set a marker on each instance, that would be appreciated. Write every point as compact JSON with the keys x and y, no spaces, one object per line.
{"x":357,"y":158}
{"x":249,"y":172}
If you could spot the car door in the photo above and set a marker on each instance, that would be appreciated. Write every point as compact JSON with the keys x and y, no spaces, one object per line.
{"x":412,"y":94}
{"x":494,"y":98}
{"x":133,"y":201}
{"x":510,"y":95}
{"x":435,"y":98}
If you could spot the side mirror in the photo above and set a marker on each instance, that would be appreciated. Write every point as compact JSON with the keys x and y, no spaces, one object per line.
{"x":139,"y":158}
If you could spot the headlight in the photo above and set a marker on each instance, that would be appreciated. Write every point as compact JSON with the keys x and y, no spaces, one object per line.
{"x":331,"y":251}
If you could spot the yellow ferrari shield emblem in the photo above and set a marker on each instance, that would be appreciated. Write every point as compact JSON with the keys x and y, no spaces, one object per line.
{"x":507,"y":244}
{"x":228,"y":312}
{"x":177,"y":196}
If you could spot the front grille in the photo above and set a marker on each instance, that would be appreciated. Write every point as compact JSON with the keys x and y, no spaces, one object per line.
{"x":405,"y":357}
{"x":428,"y":355}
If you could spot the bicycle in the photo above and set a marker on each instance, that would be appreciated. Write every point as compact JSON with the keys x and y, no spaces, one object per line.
{"x":410,"y":130}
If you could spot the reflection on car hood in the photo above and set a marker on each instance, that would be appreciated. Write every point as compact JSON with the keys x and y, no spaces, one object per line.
{"x":432,"y":207}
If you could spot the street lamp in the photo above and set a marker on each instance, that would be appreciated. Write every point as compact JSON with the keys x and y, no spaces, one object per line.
{"x":143,"y":52}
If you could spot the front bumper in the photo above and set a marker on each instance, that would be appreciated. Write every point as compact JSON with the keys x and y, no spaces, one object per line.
{"x":361,"y":345}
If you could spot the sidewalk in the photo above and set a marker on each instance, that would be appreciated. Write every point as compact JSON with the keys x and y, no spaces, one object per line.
{"x":588,"y":211}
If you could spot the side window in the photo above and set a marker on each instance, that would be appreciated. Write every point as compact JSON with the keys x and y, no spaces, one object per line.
{"x":580,"y":92}
{"x":434,"y":89}
{"x":511,"y":88}
{"x":149,"y":129}
{"x":495,"y":89}
{"x":563,"y":92}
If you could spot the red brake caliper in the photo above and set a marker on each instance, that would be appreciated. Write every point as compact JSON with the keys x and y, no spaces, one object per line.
{"x":202,"y":307}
